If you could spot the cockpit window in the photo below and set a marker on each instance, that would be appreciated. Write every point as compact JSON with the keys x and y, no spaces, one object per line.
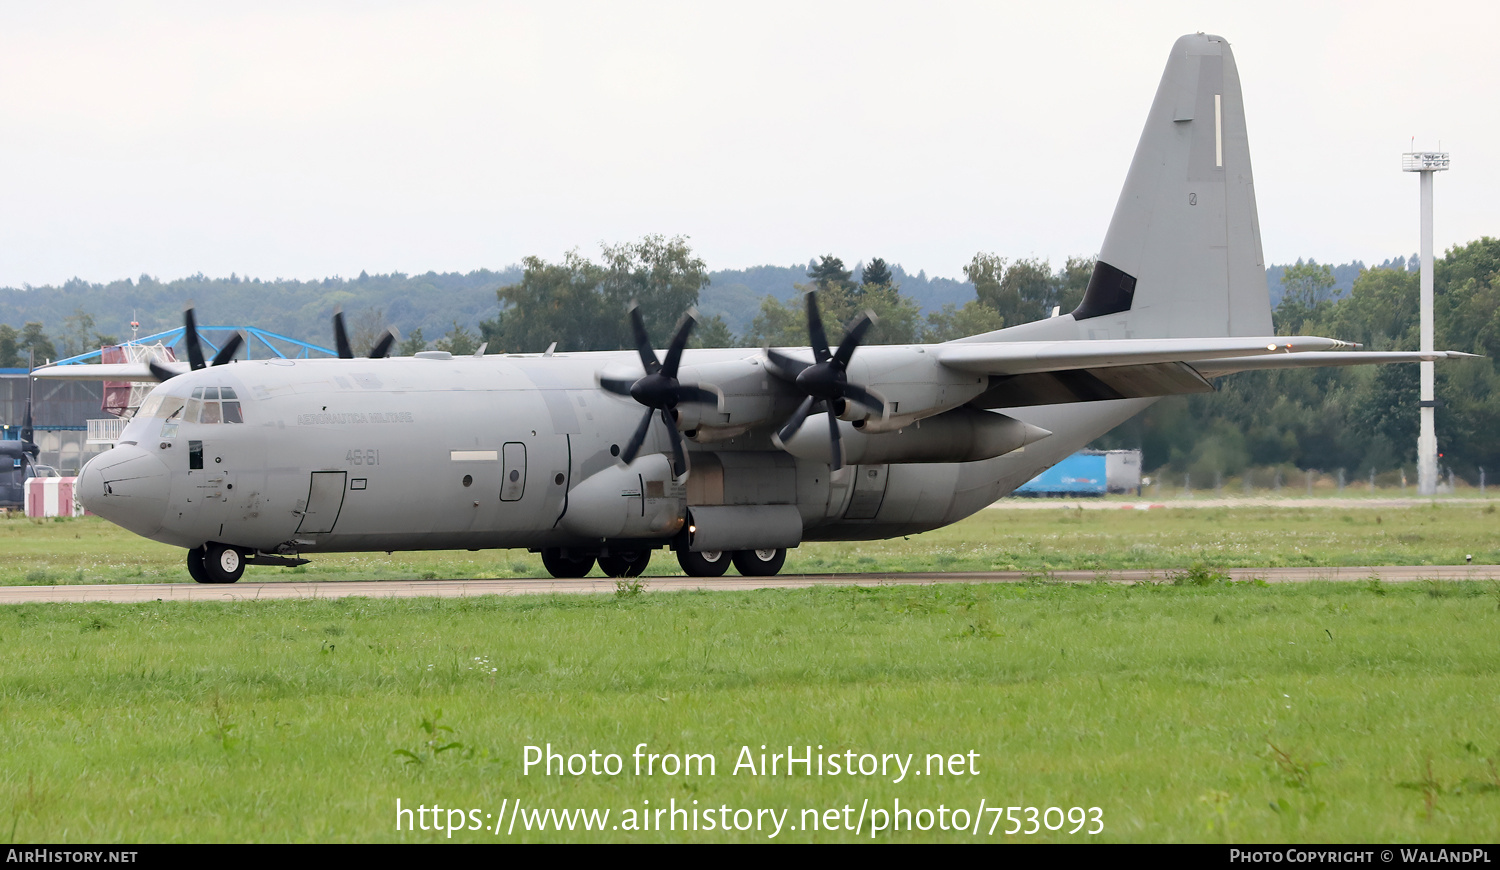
{"x":213,"y":405}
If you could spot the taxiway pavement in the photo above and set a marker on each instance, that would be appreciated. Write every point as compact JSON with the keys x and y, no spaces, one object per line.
{"x":242,"y":591}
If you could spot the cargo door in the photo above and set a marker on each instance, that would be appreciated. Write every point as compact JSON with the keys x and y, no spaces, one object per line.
{"x":325,"y":498}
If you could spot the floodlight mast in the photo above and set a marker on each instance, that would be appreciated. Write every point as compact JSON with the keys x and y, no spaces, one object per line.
{"x":1426,"y":163}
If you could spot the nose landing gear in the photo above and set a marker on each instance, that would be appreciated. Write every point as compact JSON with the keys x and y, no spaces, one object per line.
{"x":215,"y":563}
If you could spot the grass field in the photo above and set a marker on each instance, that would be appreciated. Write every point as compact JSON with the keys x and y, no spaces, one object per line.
{"x":89,"y":550}
{"x":1194,"y":710}
{"x":1307,"y":712}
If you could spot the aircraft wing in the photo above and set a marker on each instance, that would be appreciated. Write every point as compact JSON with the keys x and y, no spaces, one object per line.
{"x":106,"y":372}
{"x":1028,"y":357}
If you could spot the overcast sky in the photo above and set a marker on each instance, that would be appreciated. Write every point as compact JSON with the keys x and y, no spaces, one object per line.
{"x":307,"y":139}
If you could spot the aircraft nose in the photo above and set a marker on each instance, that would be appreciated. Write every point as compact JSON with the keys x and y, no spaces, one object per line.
{"x":128,"y":486}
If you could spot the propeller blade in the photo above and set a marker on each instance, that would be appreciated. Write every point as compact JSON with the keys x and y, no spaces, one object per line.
{"x":230,"y":348}
{"x":634,"y":446}
{"x":836,"y":458}
{"x":795,"y":422}
{"x":815,"y":330}
{"x":679,"y":341}
{"x":160,"y":372}
{"x":618,"y":386}
{"x":679,"y":458}
{"x":383,"y":347}
{"x":643,"y":342}
{"x":788,"y":367}
{"x":853,"y":337}
{"x":341,"y":335}
{"x":26,"y":428}
{"x":864,"y":397}
{"x":190,"y":337}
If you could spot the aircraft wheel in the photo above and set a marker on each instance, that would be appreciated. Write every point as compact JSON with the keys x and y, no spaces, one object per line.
{"x":223,"y":563}
{"x":759,"y":563}
{"x":564,"y":568}
{"x":710,"y":564}
{"x":627,"y":564}
{"x":196,"y":568}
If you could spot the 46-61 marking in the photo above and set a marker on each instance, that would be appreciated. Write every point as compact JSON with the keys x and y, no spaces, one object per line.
{"x":363,"y":457}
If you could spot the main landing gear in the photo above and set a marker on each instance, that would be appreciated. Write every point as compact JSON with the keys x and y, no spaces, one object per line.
{"x":631,"y":563}
{"x":215,"y":563}
{"x":625,"y":563}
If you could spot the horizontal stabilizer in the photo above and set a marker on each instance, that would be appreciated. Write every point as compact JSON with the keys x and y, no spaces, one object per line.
{"x":1214,"y":368}
{"x":136,"y":372}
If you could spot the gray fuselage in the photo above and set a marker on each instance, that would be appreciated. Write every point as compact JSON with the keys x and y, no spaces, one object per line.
{"x":489,"y":452}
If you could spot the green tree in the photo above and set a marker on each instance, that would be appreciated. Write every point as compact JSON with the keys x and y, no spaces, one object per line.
{"x":78,"y":331}
{"x":1467,"y":304}
{"x":831,"y":273}
{"x":581,"y":304}
{"x":37,"y":342}
{"x":459,"y":341}
{"x":9,"y":358}
{"x":897,"y":317}
{"x":711,"y":332}
{"x":1071,"y":282}
{"x":556,"y":302}
{"x":660,"y":275}
{"x":1380,"y":312}
{"x":1028,"y":286}
{"x":985,"y":272}
{"x":779,"y":325}
{"x":953,"y":322}
{"x":414,"y":343}
{"x":1308,"y":294}
{"x":1019,"y":292}
{"x":876,"y":273}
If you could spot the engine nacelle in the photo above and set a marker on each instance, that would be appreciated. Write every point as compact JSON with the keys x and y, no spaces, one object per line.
{"x":964,"y":434}
{"x":639,"y":501}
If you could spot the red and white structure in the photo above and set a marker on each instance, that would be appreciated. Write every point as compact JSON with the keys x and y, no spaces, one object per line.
{"x":51,"y":497}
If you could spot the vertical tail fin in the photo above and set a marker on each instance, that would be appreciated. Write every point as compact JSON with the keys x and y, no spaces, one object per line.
{"x":1182,"y":257}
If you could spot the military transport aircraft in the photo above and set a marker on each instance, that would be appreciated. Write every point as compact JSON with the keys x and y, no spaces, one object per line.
{"x":727,"y":455}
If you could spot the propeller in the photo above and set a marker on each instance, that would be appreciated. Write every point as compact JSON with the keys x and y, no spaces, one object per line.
{"x":26,"y":429}
{"x":346,"y":350}
{"x":825,"y":381}
{"x":658,"y":390}
{"x":27,"y":434}
{"x":195,"y":348}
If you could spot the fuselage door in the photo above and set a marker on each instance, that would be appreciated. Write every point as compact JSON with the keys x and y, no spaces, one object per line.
{"x":325,"y":498}
{"x":513,"y":484}
{"x":869,"y":492}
